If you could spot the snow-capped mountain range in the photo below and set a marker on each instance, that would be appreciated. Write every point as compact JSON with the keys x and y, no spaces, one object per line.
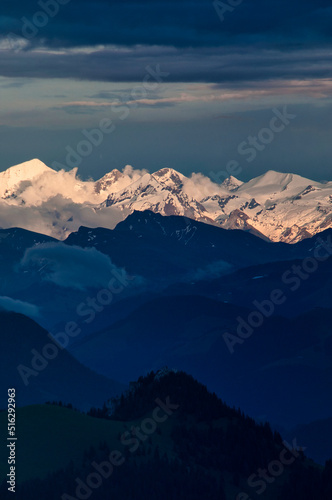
{"x":276,"y":206}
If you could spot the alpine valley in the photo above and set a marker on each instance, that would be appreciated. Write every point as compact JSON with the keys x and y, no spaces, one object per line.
{"x":211,"y":299}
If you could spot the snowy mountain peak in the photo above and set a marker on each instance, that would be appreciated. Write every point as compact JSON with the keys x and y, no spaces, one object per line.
{"x":115,"y":175}
{"x":276,"y":206}
{"x":277,"y":181}
{"x":274,"y":177}
{"x":231,"y":183}
{"x":271,"y":178}
{"x":168,"y":175}
{"x":25,"y":171}
{"x":109,"y":180}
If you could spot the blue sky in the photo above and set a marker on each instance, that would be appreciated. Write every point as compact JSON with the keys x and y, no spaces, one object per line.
{"x":184,"y":83}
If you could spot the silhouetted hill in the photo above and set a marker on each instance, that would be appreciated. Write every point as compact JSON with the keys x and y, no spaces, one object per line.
{"x":37,"y":378}
{"x":279,"y":372}
{"x":174,"y":439}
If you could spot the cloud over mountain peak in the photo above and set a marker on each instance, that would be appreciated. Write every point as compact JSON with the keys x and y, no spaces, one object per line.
{"x":280,"y":206}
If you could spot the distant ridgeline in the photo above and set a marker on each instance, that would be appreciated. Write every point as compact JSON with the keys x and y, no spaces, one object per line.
{"x":275,"y":206}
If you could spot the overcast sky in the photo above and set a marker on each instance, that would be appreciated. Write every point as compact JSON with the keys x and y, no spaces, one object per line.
{"x":186,"y":84}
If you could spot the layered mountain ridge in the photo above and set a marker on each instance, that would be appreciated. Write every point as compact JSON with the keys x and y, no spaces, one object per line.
{"x":275,"y":206}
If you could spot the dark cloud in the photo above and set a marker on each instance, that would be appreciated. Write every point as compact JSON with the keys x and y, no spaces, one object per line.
{"x":261,"y":46}
{"x":257,"y":40}
{"x":110,"y":95}
{"x":12,"y":85}
{"x":178,"y":23}
{"x":181,"y":65}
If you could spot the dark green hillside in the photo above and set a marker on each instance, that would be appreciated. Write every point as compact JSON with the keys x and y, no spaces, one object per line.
{"x":192,"y":447}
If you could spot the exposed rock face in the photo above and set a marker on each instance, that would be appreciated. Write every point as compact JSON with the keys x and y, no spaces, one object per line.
{"x":276,"y":206}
